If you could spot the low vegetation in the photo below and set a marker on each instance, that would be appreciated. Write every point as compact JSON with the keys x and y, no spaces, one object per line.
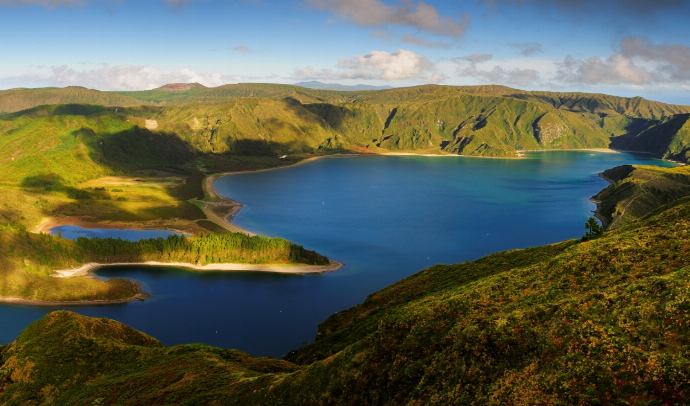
{"x":637,"y":190}
{"x":596,"y":322}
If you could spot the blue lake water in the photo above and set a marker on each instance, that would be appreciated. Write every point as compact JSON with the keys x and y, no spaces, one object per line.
{"x":74,"y":232}
{"x":385,"y":217}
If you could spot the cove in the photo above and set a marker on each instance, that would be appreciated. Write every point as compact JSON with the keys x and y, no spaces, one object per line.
{"x":384,"y":217}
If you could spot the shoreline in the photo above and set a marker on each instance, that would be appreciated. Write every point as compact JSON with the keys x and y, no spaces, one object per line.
{"x":598,"y":202}
{"x":139,"y":297}
{"x":297,"y":269}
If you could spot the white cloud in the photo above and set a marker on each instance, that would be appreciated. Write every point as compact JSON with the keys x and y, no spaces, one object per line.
{"x":674,"y":59}
{"x":374,"y":13}
{"x":615,"y":69}
{"x":401,"y":64}
{"x":378,"y":65}
{"x":639,"y":62}
{"x":475,"y":66}
{"x":121,"y":77}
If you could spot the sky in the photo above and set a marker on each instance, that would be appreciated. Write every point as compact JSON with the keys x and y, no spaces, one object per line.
{"x":620,"y":47}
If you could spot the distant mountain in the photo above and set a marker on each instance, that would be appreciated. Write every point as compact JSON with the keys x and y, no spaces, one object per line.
{"x":336,"y":86}
{"x":180,"y":87}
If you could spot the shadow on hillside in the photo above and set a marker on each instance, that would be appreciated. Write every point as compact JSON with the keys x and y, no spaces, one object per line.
{"x":136,"y":148}
{"x":333,"y":115}
{"x":52,"y":182}
{"x":62,"y":110}
{"x":264,"y":148}
{"x":632,"y":130}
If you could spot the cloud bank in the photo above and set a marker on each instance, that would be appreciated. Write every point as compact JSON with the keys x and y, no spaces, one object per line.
{"x":378,"y":65}
{"x":639,"y":62}
{"x":122,"y":77}
{"x":375,"y":13}
{"x":469,"y":66}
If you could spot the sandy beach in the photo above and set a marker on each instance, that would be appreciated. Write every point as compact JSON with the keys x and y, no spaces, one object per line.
{"x":86,"y":269}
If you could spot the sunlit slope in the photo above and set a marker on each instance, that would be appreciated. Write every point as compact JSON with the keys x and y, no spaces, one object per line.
{"x":20,"y":99}
{"x":637,"y":190}
{"x":461,"y":123}
{"x":596,"y":322}
{"x":603,"y":104}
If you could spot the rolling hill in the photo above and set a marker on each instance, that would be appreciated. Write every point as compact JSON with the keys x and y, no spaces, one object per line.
{"x":13,"y":100}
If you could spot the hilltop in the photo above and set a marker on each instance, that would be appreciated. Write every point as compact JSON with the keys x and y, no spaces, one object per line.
{"x":596,"y":322}
{"x":13,"y":100}
{"x":180,"y":87}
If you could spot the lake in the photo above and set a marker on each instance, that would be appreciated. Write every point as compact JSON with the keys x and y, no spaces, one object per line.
{"x":384,"y":217}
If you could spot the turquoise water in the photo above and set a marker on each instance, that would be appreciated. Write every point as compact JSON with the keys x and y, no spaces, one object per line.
{"x":74,"y":232}
{"x":384,"y":217}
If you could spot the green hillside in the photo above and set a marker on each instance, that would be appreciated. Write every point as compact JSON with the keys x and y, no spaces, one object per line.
{"x":596,"y":322}
{"x":637,"y":190}
{"x":275,"y":119}
{"x":21,"y":99}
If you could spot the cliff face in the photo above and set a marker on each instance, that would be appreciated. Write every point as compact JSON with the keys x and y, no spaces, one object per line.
{"x":602,"y":321}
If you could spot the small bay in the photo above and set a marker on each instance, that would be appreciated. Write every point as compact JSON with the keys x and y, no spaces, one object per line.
{"x":384,"y":217}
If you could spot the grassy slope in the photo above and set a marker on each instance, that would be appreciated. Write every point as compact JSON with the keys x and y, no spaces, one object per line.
{"x":480,"y":120}
{"x":13,"y":100}
{"x":603,"y":321}
{"x":637,"y":190}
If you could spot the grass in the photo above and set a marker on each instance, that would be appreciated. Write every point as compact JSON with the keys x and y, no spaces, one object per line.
{"x":637,"y":190}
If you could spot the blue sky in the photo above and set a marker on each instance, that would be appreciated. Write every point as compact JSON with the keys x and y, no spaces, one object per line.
{"x":621,"y":47}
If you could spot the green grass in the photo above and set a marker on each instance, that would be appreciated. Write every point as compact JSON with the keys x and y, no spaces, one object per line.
{"x":637,"y":190}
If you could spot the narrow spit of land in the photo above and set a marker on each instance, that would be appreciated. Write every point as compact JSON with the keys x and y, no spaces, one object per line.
{"x":87,"y":269}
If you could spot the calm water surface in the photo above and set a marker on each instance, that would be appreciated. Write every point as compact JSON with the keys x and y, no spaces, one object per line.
{"x":384,"y":217}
